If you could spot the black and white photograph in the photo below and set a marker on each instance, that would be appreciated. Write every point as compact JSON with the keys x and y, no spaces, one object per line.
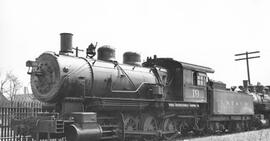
{"x":134,"y":70}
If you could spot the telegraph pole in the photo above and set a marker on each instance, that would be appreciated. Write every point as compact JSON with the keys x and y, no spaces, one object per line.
{"x":247,"y":58}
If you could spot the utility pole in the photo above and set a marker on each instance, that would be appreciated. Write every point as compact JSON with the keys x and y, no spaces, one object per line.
{"x":247,"y":58}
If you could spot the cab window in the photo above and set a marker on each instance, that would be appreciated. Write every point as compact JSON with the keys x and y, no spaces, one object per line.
{"x":199,"y":79}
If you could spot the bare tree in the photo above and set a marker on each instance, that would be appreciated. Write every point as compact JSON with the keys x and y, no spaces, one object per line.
{"x":2,"y":84}
{"x":14,"y":85}
{"x":10,"y":85}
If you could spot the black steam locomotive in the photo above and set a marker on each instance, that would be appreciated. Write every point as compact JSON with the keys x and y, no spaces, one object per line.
{"x":101,"y":99}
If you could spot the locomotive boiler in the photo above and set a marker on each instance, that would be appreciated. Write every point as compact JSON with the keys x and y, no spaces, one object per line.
{"x":102,"y":99}
{"x":58,"y":76}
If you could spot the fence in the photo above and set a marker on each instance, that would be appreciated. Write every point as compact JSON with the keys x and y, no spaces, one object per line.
{"x":18,"y":110}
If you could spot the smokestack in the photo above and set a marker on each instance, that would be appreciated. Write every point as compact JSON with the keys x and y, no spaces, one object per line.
{"x":66,"y":43}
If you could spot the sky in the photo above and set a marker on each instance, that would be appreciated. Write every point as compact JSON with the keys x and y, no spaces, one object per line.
{"x":203,"y":32}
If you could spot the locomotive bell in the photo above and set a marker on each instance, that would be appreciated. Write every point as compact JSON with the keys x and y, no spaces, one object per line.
{"x":106,"y":53}
{"x":132,"y":58}
{"x":66,"y":43}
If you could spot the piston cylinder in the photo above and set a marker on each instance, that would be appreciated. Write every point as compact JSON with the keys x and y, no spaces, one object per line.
{"x":86,"y":132}
{"x":84,"y":128}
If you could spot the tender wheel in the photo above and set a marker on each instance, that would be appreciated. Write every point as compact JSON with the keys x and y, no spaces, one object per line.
{"x":169,"y":128}
{"x":149,"y":123}
{"x":238,"y":127}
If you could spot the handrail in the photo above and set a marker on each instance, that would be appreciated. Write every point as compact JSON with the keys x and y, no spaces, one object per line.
{"x":134,"y":91}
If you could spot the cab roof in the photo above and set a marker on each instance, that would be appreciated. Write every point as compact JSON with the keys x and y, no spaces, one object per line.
{"x":171,"y":63}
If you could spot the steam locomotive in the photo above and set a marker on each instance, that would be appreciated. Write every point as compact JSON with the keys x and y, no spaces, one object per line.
{"x":102,"y":99}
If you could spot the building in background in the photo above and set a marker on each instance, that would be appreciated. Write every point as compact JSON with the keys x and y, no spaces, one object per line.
{"x":3,"y":100}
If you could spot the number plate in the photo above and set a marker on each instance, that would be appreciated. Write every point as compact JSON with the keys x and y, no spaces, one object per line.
{"x":195,"y":95}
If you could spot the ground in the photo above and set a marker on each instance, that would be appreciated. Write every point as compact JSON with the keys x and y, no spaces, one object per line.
{"x":259,"y":135}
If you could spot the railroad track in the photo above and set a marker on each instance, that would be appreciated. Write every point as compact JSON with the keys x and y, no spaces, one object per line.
{"x":257,"y":135}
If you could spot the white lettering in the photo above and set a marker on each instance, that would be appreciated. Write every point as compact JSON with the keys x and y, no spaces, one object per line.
{"x":195,"y":93}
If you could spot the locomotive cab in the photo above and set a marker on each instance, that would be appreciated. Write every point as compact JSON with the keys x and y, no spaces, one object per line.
{"x":187,"y":82}
{"x":194,"y":86}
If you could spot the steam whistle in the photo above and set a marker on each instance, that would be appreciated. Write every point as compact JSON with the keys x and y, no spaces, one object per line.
{"x":77,"y":51}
